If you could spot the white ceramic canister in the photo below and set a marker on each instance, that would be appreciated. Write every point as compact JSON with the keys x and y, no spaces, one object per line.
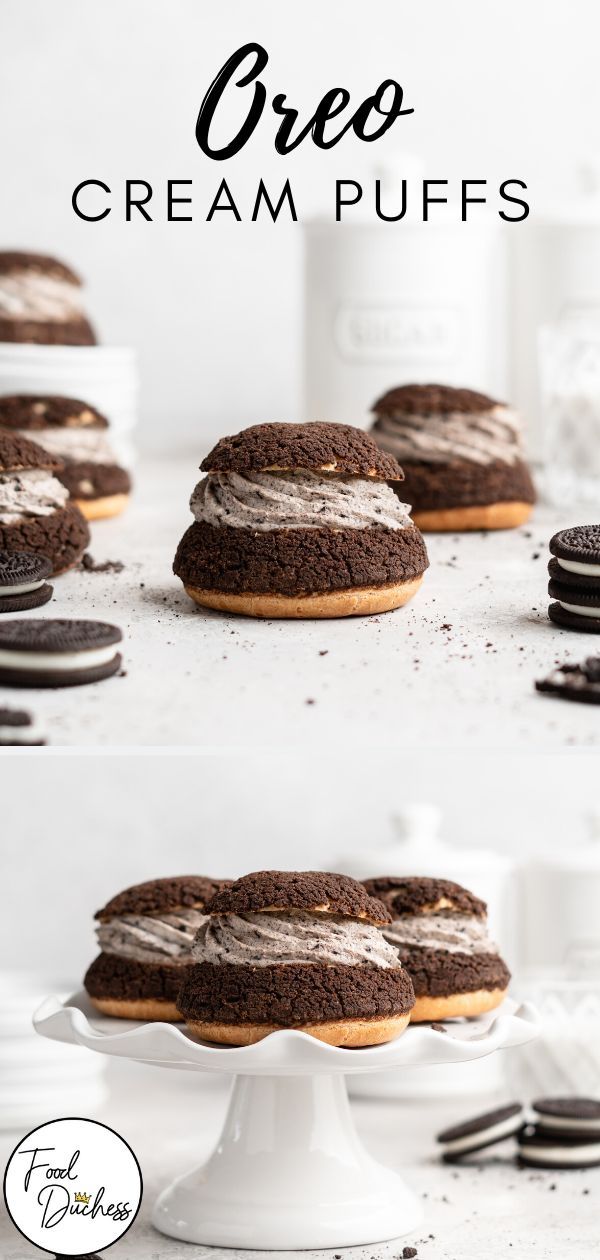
{"x":560,"y":919}
{"x":555,"y":268}
{"x":391,"y":303}
{"x":418,"y":849}
{"x":104,"y":376}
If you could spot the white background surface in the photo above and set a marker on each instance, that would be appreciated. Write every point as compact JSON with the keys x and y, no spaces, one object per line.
{"x":111,"y":90}
{"x":469,"y":1212}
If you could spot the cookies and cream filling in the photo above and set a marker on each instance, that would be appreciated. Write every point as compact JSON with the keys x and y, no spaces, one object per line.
{"x":481,"y":438}
{"x":35,"y":295}
{"x":455,"y":933}
{"x":269,"y":938}
{"x":296,"y":500}
{"x":165,"y":938}
{"x":488,"y":1136}
{"x":73,"y":445}
{"x":57,"y":662}
{"x":33,"y":492}
{"x":23,"y":588}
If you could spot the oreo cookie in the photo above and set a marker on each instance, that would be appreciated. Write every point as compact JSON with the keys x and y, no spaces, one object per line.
{"x":573,"y":1115}
{"x":57,"y":652}
{"x":18,"y":730}
{"x":23,"y":581}
{"x":481,"y":1131}
{"x":575,"y":579}
{"x":574,"y":682}
{"x":577,"y":550}
{"x":566,"y":1150}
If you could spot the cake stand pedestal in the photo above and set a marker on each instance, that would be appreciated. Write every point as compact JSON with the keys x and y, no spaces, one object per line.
{"x":289,"y":1171}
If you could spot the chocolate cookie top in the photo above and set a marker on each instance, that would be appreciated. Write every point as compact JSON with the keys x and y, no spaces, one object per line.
{"x":316,"y":447}
{"x":15,"y":717}
{"x":18,"y":568}
{"x":48,"y":411}
{"x":422,"y":895}
{"x":156,"y":896}
{"x":478,"y":1124}
{"x":569,"y":1108}
{"x":56,"y":634}
{"x":18,"y":454}
{"x":426,"y":400}
{"x":14,"y":260}
{"x":581,"y":542}
{"x":316,"y":891}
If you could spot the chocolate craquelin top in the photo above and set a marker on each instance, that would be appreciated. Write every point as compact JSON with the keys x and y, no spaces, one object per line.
{"x":319,"y":892}
{"x":18,"y":454}
{"x":425,"y":400}
{"x":409,"y":895}
{"x":156,"y":896}
{"x":315,"y":447}
{"x":48,"y":411}
{"x":15,"y":260}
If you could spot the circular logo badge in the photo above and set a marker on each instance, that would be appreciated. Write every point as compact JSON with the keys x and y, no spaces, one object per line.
{"x":73,"y":1186}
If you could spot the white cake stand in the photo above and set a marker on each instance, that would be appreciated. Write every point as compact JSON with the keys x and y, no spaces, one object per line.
{"x":289,"y":1171}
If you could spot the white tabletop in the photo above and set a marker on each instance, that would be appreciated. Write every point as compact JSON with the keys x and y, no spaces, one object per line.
{"x":491,"y":1209}
{"x":455,"y":667}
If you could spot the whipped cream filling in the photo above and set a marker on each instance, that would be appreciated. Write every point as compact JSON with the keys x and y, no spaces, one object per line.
{"x":31,"y":295}
{"x":165,"y":938}
{"x":73,"y":445}
{"x":264,"y":939}
{"x":34,"y":492}
{"x":456,"y":933}
{"x":481,"y":438}
{"x":296,"y":500}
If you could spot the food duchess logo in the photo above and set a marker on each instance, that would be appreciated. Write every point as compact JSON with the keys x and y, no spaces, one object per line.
{"x":93,"y":200}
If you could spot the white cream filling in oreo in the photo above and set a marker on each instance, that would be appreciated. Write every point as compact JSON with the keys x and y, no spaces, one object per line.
{"x":455,"y":933}
{"x":23,"y":589}
{"x":164,"y":938}
{"x":582,"y":610}
{"x":493,"y":1133}
{"x":34,"y":295}
{"x":578,"y":566}
{"x":57,"y":662}
{"x":264,"y":939}
{"x":585,"y":1153}
{"x":21,"y":735}
{"x":565,"y":1122}
{"x":297,"y":500}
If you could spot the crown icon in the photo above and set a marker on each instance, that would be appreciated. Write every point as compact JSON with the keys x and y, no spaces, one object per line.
{"x":82,"y":1198}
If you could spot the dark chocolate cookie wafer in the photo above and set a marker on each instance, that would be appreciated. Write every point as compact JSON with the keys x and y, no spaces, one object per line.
{"x":572,"y":581}
{"x":57,"y":652}
{"x":574,"y":682}
{"x":18,"y":730}
{"x":480,"y":1132}
{"x":578,"y":549}
{"x":540,"y":1149}
{"x":23,"y":581}
{"x":586,"y":622}
{"x":572,"y":1115}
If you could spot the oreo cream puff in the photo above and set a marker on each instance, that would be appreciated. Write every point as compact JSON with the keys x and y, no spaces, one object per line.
{"x":462,"y":457}
{"x":36,"y":513}
{"x":40,"y":302}
{"x":145,"y":934}
{"x":297,"y":520}
{"x":440,"y":932}
{"x":302,"y":950}
{"x":77,"y":434}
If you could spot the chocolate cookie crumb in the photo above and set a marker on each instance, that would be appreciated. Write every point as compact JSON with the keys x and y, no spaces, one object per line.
{"x":108,"y":566}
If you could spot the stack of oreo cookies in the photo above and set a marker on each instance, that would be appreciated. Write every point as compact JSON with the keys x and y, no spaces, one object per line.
{"x":575,"y":579}
{"x":562,"y":1133}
